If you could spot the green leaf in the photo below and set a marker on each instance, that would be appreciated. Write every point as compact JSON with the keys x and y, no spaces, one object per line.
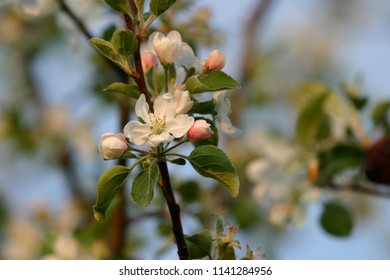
{"x":129,"y":90}
{"x":310,"y":119}
{"x":209,"y":161}
{"x":158,"y":7}
{"x":214,"y":81}
{"x":143,"y":185}
{"x":380,"y":114}
{"x":199,"y":245}
{"x":106,"y":49}
{"x":124,"y":41}
{"x":340,"y":157}
{"x":206,"y":107}
{"x":108,"y":185}
{"x":336,"y":219}
{"x":121,"y":6}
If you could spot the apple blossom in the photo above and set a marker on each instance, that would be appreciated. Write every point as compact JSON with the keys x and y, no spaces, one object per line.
{"x":162,"y":126}
{"x":167,"y":48}
{"x":112,"y":145}
{"x":200,"y":130}
{"x":223,"y":107}
{"x":215,"y":61}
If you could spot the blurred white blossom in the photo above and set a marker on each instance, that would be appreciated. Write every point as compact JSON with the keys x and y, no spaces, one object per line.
{"x":280,"y":175}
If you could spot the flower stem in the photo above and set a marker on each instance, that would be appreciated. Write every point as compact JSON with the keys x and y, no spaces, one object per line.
{"x":174,"y":211}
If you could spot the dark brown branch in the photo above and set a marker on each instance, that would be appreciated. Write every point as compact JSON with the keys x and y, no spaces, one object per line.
{"x":174,"y":211}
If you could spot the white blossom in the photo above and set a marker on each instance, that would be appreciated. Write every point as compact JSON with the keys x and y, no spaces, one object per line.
{"x":167,"y":48}
{"x":161,"y":126}
{"x":223,"y":108}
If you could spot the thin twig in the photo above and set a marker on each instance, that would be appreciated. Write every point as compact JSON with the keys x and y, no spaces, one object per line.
{"x":376,"y":191}
{"x":84,"y":30}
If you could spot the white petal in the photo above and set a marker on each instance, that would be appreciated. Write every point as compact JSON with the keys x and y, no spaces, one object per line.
{"x":179,"y":125}
{"x":167,"y":48}
{"x":150,"y":44}
{"x":223,"y":106}
{"x":142,"y":109}
{"x":174,"y":36}
{"x":256,"y":169}
{"x":137,"y":132}
{"x":164,"y":107}
{"x":228,"y":128}
{"x":187,"y":57}
{"x":155,"y":140}
{"x":183,"y":101}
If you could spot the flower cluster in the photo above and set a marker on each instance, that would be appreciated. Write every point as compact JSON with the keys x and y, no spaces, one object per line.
{"x":170,"y":118}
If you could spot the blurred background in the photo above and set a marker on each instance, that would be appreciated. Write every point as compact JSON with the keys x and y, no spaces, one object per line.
{"x":313,"y":156}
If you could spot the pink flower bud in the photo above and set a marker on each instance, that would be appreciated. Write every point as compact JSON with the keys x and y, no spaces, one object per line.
{"x":200,"y":130}
{"x":148,"y":60}
{"x":112,"y":145}
{"x":215,"y":61}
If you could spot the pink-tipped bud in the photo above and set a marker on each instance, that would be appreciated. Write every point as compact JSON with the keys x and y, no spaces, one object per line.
{"x":200,"y":130}
{"x":112,"y":145}
{"x":215,"y":61}
{"x":148,"y":60}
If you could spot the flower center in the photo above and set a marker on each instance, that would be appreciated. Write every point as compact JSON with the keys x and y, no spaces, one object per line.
{"x":158,"y":125}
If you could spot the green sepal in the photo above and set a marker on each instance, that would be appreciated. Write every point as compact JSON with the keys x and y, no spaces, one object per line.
{"x":199,"y":245}
{"x":157,"y":7}
{"x":129,"y":90}
{"x":209,"y":161}
{"x":143,"y":185}
{"x":108,"y":185}
{"x":213,"y":81}
{"x":124,"y":42}
{"x":121,"y":6}
{"x":178,"y":161}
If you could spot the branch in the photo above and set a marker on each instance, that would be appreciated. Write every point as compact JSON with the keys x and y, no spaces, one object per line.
{"x":139,"y":77}
{"x":174,"y":211}
{"x":84,"y":30}
{"x":377,"y":191}
{"x":250,"y":30}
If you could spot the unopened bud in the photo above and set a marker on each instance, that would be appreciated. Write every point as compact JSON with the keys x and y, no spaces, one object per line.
{"x":167,"y":48}
{"x":200,"y":130}
{"x":148,"y":60}
{"x":112,"y":145}
{"x":215,"y":61}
